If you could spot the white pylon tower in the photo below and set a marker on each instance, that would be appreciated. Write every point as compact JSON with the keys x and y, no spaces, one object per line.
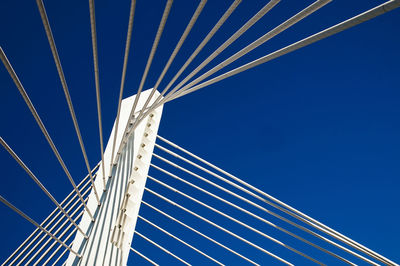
{"x":116,"y":216}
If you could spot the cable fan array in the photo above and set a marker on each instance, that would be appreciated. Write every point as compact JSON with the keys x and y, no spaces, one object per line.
{"x":220,"y":217}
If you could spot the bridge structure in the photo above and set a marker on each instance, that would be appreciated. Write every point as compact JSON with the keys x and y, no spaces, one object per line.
{"x":216,"y":211}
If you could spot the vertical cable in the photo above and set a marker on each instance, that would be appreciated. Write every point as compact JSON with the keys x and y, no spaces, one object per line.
{"x":121,"y":90}
{"x":174,"y":53}
{"x":222,"y":47}
{"x":53,"y":47}
{"x":149,"y":61}
{"x":216,"y":27}
{"x":261,"y":13}
{"x":97,"y":83}
{"x":160,"y":30}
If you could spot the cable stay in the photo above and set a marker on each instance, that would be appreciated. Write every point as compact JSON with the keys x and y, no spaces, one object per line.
{"x":294,"y":215}
{"x":220,"y":49}
{"x":260,"y":14}
{"x":41,"y":186}
{"x":234,"y":220}
{"x":178,"y":46}
{"x":199,"y":233}
{"x":203,"y":195}
{"x":180,"y":240}
{"x":161,"y":247}
{"x":218,"y":226}
{"x":23,"y":248}
{"x":354,"y":21}
{"x":144,"y":257}
{"x":160,"y":30}
{"x":250,"y":213}
{"x":15,"y":209}
{"x":263,"y":39}
{"x":97,"y":83}
{"x":38,"y":120}
{"x":214,"y":30}
{"x":57,"y":61}
{"x":125,"y":65}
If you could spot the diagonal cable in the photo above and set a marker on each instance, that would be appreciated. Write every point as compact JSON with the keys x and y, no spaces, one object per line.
{"x":53,"y":47}
{"x":234,"y":220}
{"x":58,"y":248}
{"x":248,"y":212}
{"x":15,"y":209}
{"x":180,"y":240}
{"x":97,"y":82}
{"x":263,"y":39}
{"x":160,"y":30}
{"x":43,"y":245}
{"x":45,"y":224}
{"x":266,"y":210}
{"x":199,"y":233}
{"x":253,"y":20}
{"x":216,"y":27}
{"x":162,"y":248}
{"x":38,"y":242}
{"x":301,"y":216}
{"x":35,"y":114}
{"x":144,"y":257}
{"x":174,"y":53}
{"x":218,"y":226}
{"x":263,"y":11}
{"x":125,"y":65}
{"x":37,"y":181}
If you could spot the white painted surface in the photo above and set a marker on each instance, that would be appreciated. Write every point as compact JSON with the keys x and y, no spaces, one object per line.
{"x":98,"y":249}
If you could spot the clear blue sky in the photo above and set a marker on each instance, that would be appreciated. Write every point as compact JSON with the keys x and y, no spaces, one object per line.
{"x":318,"y":128}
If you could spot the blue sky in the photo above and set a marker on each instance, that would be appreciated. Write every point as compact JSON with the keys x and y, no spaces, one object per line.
{"x":317,"y":128}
